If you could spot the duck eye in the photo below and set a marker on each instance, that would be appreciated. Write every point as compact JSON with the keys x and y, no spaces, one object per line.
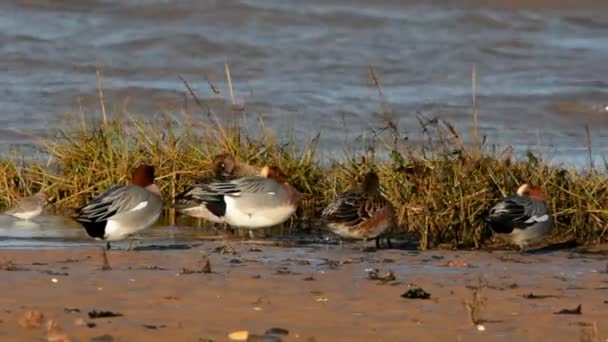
{"x":223,"y":166}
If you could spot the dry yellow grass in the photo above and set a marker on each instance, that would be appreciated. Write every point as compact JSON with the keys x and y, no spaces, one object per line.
{"x":440,"y":191}
{"x":441,"y":188}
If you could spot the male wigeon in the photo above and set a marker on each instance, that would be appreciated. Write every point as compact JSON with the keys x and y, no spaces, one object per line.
{"x":123,"y":210}
{"x":224,"y":168}
{"x":524,"y":217}
{"x":247,"y":202}
{"x":363,"y":213}
{"x":29,"y":207}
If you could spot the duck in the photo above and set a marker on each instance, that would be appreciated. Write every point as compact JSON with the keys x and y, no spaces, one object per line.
{"x":29,"y":207}
{"x":226,"y":165}
{"x":250,"y":202}
{"x":122,"y":210}
{"x":362,"y":213}
{"x":224,"y":168}
{"x":524,"y":217}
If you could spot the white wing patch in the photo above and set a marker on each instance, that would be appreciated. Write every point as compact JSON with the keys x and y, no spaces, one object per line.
{"x":542,"y":218}
{"x":271,"y":193}
{"x":140,"y":206}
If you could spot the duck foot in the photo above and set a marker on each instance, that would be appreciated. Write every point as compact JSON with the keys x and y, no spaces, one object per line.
{"x":379,"y":245}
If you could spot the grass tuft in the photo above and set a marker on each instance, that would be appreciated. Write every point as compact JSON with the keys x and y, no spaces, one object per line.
{"x":441,"y":187}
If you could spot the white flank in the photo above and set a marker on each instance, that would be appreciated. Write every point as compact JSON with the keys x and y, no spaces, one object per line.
{"x":115,"y":231}
{"x":255,"y":217}
{"x":26,"y":215}
{"x":538,"y":219}
{"x":140,"y":206}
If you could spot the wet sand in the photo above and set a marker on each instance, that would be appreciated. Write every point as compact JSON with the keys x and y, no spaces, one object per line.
{"x":317,"y":293}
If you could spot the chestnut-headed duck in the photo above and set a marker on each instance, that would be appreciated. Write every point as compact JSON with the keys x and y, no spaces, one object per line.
{"x":122,"y":210}
{"x":246,"y":202}
{"x":524,"y":217}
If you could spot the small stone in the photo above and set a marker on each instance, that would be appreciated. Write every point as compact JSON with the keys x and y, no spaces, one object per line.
{"x":481,"y":327}
{"x":240,"y":335}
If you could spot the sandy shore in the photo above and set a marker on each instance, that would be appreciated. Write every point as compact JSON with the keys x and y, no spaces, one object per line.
{"x":316,"y":293}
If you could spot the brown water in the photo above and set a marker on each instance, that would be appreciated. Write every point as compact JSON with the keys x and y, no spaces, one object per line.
{"x":541,"y":65}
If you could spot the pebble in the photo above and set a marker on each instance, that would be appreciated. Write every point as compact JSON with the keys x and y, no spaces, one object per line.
{"x":240,"y":335}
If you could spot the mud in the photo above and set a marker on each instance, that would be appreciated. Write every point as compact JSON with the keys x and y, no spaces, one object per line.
{"x":308,"y":293}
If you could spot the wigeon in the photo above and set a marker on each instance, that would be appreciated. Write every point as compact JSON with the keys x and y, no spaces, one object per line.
{"x":123,"y":210}
{"x":248,"y":202}
{"x":227,"y":166}
{"x":363,"y":213}
{"x":224,"y":168}
{"x":524,"y":217}
{"x":29,"y":207}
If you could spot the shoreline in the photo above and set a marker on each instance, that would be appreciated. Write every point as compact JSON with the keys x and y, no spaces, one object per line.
{"x":316,"y":293}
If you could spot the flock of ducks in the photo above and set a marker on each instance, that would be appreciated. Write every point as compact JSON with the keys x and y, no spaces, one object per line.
{"x":243,"y":196}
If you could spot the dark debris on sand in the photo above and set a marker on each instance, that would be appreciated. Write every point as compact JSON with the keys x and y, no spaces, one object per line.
{"x":416,"y":293}
{"x":534,"y":296}
{"x":11,"y":266}
{"x":103,"y":338}
{"x":576,"y":311}
{"x":153,"y":326}
{"x":277,"y":331}
{"x":103,"y":314}
{"x":374,"y":274}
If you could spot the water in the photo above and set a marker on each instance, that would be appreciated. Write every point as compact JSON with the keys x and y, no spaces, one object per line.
{"x":541,"y":67}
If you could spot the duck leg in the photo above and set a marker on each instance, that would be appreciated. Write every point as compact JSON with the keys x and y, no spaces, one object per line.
{"x":522,"y":249}
{"x":130,"y":248}
{"x":364,"y":245}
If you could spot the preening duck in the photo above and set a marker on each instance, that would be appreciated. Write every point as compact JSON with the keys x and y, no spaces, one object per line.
{"x":523,"y":217}
{"x":363,"y":213}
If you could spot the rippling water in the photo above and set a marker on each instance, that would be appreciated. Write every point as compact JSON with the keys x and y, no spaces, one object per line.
{"x":541,"y":66}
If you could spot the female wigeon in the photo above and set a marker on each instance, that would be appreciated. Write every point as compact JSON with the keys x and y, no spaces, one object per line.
{"x":227,"y":166}
{"x":27,"y":208}
{"x":524,"y":217}
{"x":360,"y":213}
{"x":224,"y":168}
{"x":123,"y":210}
{"x":248,"y":202}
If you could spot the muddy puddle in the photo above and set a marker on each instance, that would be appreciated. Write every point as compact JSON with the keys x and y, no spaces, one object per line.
{"x":187,"y":285}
